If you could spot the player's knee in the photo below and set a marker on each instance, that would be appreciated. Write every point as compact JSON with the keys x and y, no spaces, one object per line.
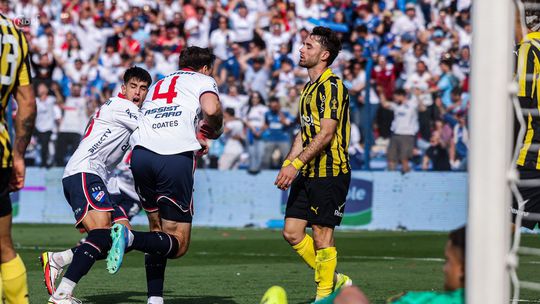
{"x":100,"y":238}
{"x":293,"y":237}
{"x":182,"y":249}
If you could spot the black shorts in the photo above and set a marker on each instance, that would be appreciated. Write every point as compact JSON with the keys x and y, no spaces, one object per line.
{"x":318,"y":200}
{"x":86,"y":191}
{"x":127,"y":204}
{"x":531,"y":195}
{"x":5,"y":200}
{"x":165,"y":183}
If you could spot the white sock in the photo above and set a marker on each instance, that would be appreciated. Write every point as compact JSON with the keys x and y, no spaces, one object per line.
{"x":64,"y":289}
{"x":63,"y":258}
{"x":155,"y":300}
{"x":130,"y":242}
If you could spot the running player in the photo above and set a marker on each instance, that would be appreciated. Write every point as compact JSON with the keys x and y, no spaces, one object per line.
{"x":319,"y":154}
{"x":163,"y":164}
{"x":105,"y":142}
{"x":14,"y":79}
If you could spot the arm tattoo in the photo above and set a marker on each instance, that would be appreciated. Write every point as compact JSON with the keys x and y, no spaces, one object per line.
{"x":24,"y":127}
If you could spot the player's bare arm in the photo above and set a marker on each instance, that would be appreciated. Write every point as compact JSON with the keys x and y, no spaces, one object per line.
{"x":320,"y":141}
{"x":24,"y":127}
{"x":296,"y":148}
{"x":212,"y":125}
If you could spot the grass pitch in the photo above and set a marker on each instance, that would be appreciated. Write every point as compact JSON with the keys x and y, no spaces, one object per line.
{"x":226,"y":266}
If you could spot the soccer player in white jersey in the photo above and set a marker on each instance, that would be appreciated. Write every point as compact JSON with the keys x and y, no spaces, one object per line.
{"x":179,"y":110}
{"x":104,"y":144}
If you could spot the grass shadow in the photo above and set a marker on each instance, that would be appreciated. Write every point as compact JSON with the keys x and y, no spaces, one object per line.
{"x":128,"y":297}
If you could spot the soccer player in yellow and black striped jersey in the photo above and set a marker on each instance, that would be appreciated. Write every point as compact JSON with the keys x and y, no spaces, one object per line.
{"x":317,"y":168}
{"x":14,"y":80}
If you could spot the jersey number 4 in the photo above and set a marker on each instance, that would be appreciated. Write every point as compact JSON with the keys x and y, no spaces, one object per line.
{"x":169,"y":95}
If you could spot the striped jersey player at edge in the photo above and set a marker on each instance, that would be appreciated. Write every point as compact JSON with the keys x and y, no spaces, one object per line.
{"x":103,"y":146}
{"x":528,"y":65}
{"x":317,"y":168}
{"x":170,"y":134}
{"x":15,"y":81}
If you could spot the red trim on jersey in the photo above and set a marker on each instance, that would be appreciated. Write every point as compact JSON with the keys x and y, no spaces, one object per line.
{"x":91,"y":125}
{"x":187,"y":69}
{"x":121,"y":95}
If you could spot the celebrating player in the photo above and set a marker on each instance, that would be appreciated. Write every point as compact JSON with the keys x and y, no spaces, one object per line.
{"x":319,"y":153}
{"x":14,"y":79}
{"x":101,"y":149}
{"x":163,"y":163}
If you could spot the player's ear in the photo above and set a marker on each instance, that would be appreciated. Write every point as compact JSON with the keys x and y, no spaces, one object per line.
{"x":123,"y":88}
{"x":325,"y":55}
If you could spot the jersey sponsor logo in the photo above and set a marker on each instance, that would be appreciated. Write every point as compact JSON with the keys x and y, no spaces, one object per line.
{"x":100,"y":142}
{"x":125,"y":147}
{"x":131,"y":115}
{"x":160,"y":110}
{"x":165,"y":124}
{"x":307,"y":120}
{"x":99,"y":195}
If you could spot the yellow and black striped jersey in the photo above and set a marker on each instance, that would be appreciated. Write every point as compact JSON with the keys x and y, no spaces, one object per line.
{"x":326,"y":98}
{"x":14,"y":71}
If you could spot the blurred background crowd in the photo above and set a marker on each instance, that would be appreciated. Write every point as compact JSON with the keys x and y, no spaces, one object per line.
{"x":406,"y":64}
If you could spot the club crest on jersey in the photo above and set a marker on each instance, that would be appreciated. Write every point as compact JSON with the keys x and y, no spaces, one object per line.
{"x":99,"y":195}
{"x":308,"y":99}
{"x":334,"y":104}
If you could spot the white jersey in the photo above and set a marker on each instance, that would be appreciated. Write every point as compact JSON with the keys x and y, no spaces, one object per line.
{"x":106,"y":139}
{"x":122,"y":179}
{"x":170,"y":113}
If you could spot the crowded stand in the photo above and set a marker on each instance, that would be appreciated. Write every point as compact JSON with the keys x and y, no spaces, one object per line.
{"x":406,"y":65}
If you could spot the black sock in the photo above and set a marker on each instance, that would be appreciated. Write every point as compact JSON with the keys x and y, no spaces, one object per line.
{"x":86,"y":254}
{"x":156,"y":242}
{"x":155,"y":274}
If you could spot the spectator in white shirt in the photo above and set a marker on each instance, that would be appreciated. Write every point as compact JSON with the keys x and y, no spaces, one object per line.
{"x":198,"y":28}
{"x":274,"y":38}
{"x":253,"y":116}
{"x":233,"y":99}
{"x":404,"y":128}
{"x":256,"y":75}
{"x":233,"y":134}
{"x":44,"y":122}
{"x":221,"y":38}
{"x":243,"y":25}
{"x":408,"y":23}
{"x":73,"y":117}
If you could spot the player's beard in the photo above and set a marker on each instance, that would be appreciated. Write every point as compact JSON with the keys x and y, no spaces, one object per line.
{"x":307,"y":63}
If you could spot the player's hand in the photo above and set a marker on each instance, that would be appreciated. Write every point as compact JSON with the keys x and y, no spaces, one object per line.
{"x":16,"y":181}
{"x":285,"y":177}
{"x":204,"y":145}
{"x":208,"y":131}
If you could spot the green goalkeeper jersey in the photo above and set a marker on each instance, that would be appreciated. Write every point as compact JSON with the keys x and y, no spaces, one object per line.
{"x":431,"y":297}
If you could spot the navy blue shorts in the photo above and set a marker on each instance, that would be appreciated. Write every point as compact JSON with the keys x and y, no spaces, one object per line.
{"x":165,"y":183}
{"x":86,"y":191}
{"x":128,"y":205}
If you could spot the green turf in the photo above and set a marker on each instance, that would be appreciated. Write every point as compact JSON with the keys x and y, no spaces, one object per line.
{"x":237,"y":266}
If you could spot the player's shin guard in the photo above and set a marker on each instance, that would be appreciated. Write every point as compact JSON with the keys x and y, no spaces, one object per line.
{"x":156,"y":243}
{"x":155,"y":274}
{"x":97,"y":243}
{"x":306,"y":250}
{"x":14,"y":281}
{"x":325,"y":266}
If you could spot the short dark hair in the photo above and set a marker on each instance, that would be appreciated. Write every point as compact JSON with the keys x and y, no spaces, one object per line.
{"x":328,"y":40}
{"x":229,"y":111}
{"x":400,"y":92}
{"x":195,"y":58}
{"x":458,"y":238}
{"x":273,"y":99}
{"x":137,"y":73}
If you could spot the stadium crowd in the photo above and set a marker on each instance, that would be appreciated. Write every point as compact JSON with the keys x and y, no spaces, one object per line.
{"x":412,"y":56}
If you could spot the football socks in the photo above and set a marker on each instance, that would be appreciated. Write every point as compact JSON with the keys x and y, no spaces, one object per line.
{"x":306,"y":250}
{"x":157,"y":243}
{"x":14,"y":283}
{"x":325,"y":266}
{"x":155,"y":274}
